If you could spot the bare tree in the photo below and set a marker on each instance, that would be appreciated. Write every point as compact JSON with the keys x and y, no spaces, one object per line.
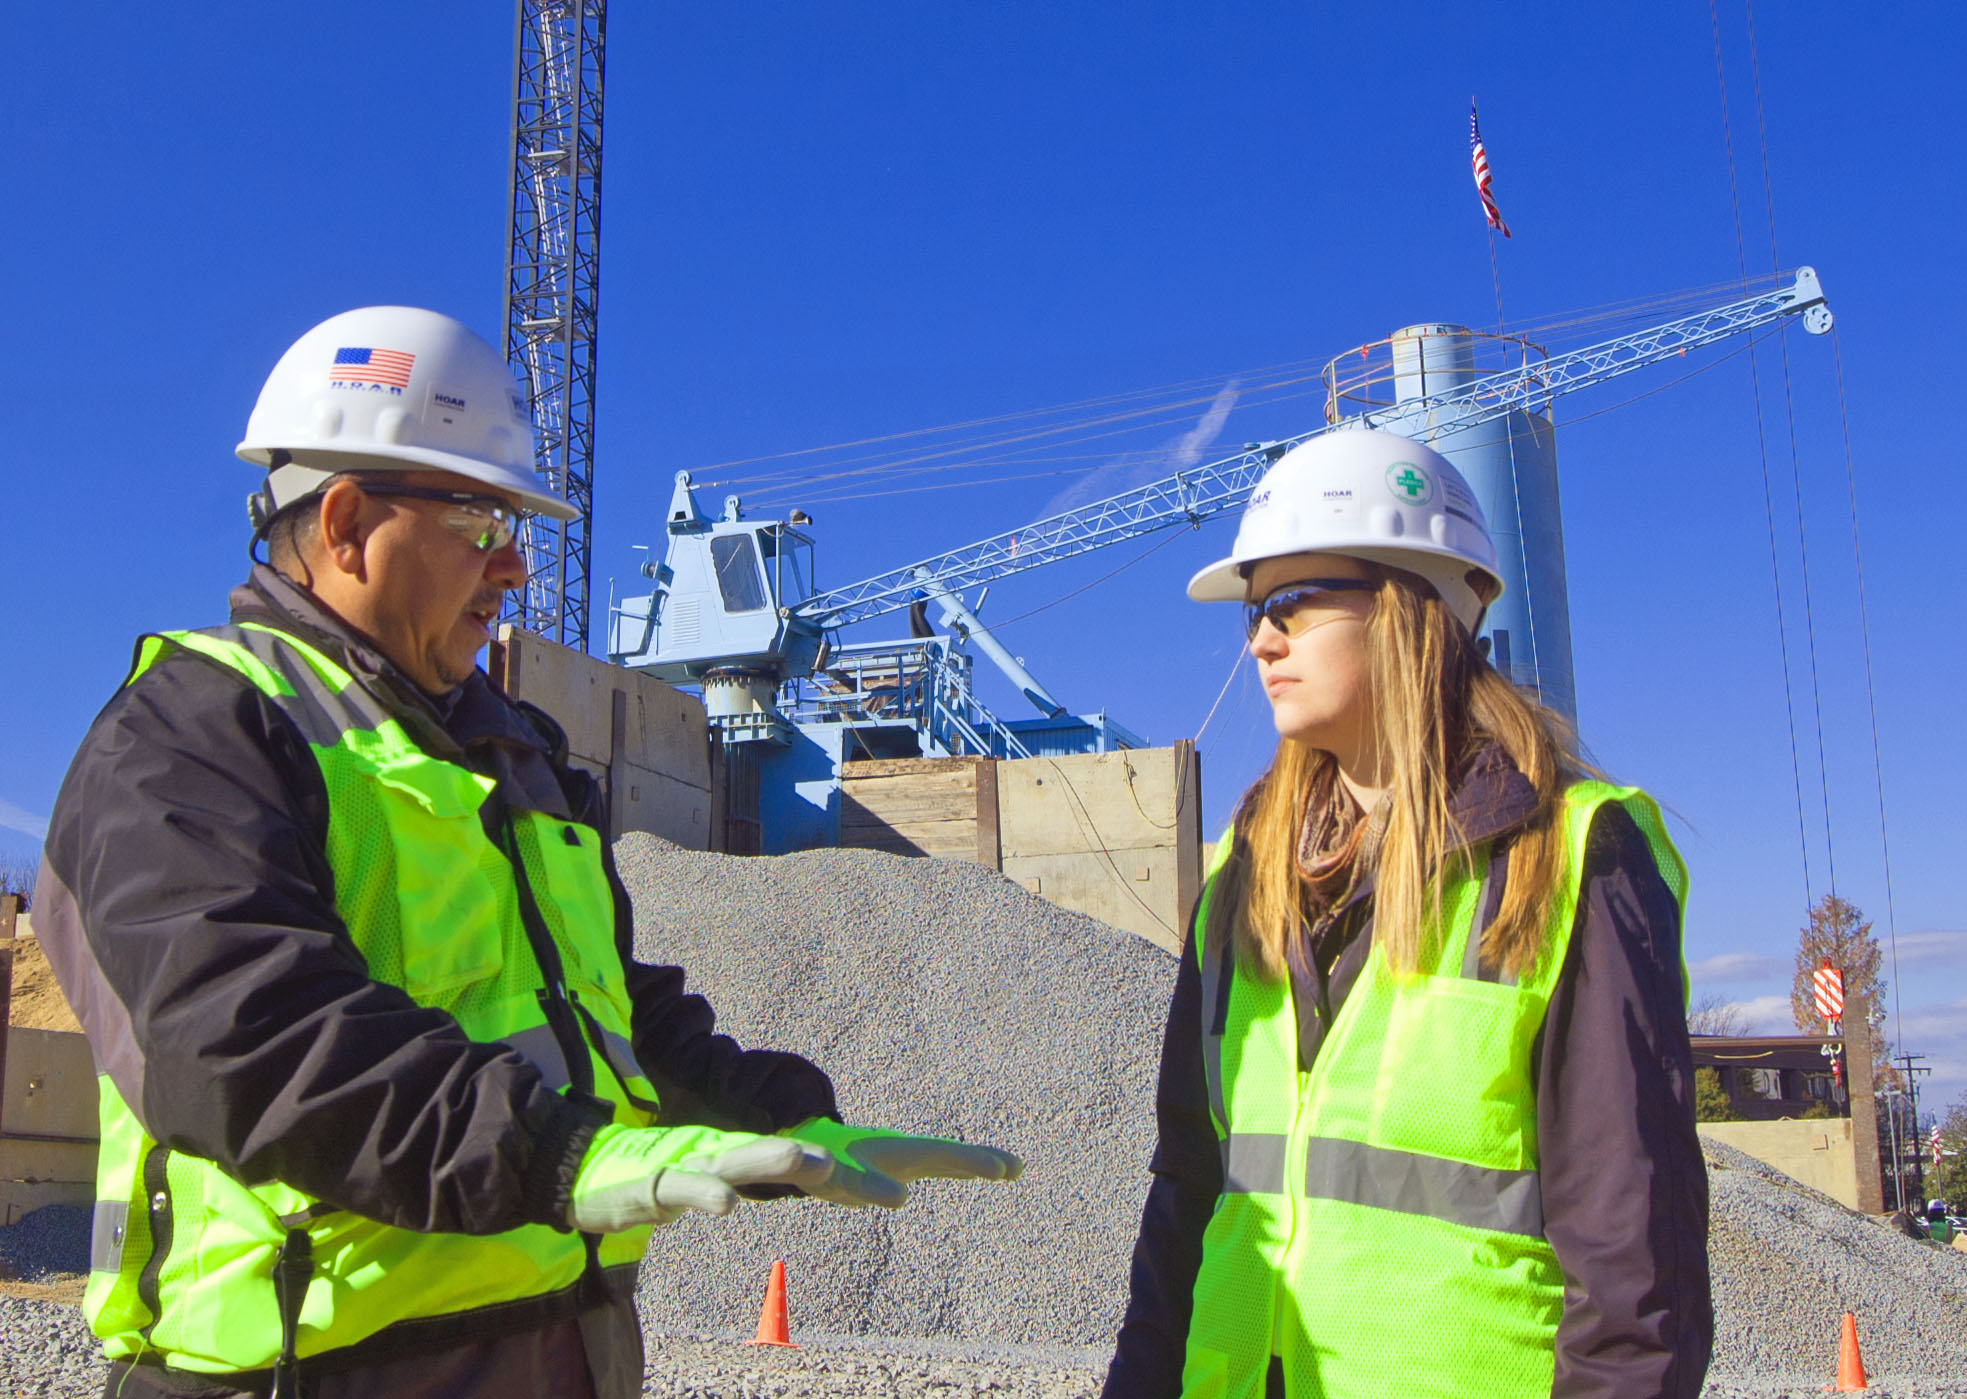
{"x":1714,"y":1014}
{"x":17,"y":877}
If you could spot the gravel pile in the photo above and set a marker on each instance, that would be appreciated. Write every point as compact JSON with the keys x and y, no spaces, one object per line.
{"x":51,"y":1242}
{"x":1788,"y":1262}
{"x":46,"y":1349}
{"x":943,"y":999}
{"x":847,"y":1368}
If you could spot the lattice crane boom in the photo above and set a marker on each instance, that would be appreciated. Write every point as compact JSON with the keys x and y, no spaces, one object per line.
{"x":552,"y":290}
{"x":1202,"y":492}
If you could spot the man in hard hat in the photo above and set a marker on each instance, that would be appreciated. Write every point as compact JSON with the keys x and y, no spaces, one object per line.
{"x":387,"y":1102}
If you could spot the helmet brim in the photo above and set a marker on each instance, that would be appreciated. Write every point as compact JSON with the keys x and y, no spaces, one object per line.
{"x":532,"y":495}
{"x":1221,"y":581}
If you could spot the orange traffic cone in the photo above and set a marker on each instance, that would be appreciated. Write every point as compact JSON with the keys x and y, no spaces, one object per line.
{"x":771,"y":1319}
{"x":1850,"y":1369}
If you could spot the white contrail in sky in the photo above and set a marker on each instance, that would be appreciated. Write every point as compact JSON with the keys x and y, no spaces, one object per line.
{"x":14,"y":818}
{"x":1188,"y":451}
{"x":1138,"y":468}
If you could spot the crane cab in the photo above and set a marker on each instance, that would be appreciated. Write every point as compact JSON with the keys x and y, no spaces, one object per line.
{"x":725,"y":596}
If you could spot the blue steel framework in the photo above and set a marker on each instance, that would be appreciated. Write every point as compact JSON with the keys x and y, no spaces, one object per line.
{"x":552,"y":286}
{"x":1190,"y":497}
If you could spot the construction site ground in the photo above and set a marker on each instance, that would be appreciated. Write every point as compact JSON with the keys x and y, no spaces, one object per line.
{"x":943,"y":997}
{"x":37,"y":1002}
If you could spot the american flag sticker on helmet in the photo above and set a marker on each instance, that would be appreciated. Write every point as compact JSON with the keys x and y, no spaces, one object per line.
{"x":365,"y":364}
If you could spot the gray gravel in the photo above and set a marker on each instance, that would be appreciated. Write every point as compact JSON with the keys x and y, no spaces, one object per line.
{"x":51,"y":1242}
{"x":1788,"y":1263}
{"x":46,"y":1348}
{"x":944,"y":999}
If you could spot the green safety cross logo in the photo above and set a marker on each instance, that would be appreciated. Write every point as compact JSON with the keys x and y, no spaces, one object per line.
{"x":1409,"y":483}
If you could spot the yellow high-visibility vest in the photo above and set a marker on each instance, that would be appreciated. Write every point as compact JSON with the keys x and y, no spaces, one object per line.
{"x":1380,"y":1228}
{"x":186,"y":1271}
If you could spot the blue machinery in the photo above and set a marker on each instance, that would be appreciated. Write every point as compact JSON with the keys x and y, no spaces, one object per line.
{"x":735,"y":610}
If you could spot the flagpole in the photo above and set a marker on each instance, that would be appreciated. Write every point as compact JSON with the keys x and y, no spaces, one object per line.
{"x":1496,"y":278}
{"x":1492,"y":217}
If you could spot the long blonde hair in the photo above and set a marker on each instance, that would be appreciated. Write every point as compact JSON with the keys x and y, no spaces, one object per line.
{"x":1437,"y":701}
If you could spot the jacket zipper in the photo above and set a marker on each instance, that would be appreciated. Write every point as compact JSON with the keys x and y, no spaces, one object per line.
{"x":554,"y":1000}
{"x":157,"y":1202}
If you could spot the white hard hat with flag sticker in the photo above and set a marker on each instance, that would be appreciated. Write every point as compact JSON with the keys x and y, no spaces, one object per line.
{"x":393,"y":388}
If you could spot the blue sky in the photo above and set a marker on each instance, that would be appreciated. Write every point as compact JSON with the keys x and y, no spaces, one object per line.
{"x":824,"y":224}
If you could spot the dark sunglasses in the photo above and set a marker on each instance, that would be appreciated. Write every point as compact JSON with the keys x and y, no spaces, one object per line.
{"x":1293,"y":609}
{"x":486,"y":521}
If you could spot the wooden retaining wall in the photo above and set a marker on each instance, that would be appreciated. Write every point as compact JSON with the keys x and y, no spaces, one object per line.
{"x":1114,"y":835}
{"x":650,"y":741}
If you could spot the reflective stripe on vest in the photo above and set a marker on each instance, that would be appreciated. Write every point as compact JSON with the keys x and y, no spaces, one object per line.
{"x":1395,"y":1182}
{"x":183,"y":1265}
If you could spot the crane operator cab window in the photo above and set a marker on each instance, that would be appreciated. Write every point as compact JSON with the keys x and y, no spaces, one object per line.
{"x":736,"y":563}
{"x":789,"y":562}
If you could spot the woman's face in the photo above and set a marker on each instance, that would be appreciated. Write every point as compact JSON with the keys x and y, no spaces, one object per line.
{"x":1318,"y":682}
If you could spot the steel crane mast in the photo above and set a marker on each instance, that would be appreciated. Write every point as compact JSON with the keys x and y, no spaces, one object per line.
{"x":1198,"y":494}
{"x":552,"y":288}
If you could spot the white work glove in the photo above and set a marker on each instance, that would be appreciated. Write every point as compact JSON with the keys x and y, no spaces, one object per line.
{"x":875,"y":1167}
{"x":635,"y":1176}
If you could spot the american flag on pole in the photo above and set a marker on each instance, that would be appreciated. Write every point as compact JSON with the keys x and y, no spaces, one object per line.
{"x":1479,"y":160}
{"x":364,"y":364}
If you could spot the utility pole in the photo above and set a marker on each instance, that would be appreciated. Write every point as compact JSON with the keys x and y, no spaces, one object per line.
{"x":552,"y":289}
{"x":1912,"y":1069}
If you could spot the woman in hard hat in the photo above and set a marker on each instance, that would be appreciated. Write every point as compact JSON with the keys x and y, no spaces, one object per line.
{"x":1426,"y":1100}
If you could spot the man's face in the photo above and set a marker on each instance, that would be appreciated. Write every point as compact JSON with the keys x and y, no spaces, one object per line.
{"x":423,"y":591}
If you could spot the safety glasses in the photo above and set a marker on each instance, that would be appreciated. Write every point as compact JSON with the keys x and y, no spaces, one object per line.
{"x":1296,"y":608}
{"x":486,"y":521}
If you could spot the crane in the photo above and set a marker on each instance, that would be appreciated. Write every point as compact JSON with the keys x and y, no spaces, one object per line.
{"x":552,"y":286}
{"x":735,"y":610}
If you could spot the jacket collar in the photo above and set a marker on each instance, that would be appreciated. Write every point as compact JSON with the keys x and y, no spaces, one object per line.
{"x":1491,"y":799}
{"x":473,"y":713}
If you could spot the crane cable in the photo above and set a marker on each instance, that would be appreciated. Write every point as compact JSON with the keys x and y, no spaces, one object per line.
{"x":1762,"y":447}
{"x":1087,"y":587}
{"x":1795,"y":467}
{"x":909,"y":451}
{"x":1871,"y":694}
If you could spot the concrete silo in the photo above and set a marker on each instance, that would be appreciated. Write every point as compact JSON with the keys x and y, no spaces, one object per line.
{"x":1510,"y":463}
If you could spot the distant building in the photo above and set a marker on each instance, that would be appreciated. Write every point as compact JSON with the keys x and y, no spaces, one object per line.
{"x":1768,"y":1077}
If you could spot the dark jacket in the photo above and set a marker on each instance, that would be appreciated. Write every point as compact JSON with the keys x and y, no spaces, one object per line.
{"x":1623,"y":1181}
{"x":187,"y":907}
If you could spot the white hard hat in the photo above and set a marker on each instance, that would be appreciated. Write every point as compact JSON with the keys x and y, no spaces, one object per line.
{"x":393,"y":388}
{"x":1368,"y":495}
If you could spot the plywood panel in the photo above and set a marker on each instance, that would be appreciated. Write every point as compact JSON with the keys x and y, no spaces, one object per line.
{"x":1138,"y":799}
{"x":657,"y":803}
{"x":921,"y":806}
{"x":648,"y":740}
{"x":19,"y":1199}
{"x":34,"y":1160}
{"x":860,"y":807}
{"x":1134,"y":890}
{"x":958,"y":780}
{"x":51,"y":1085}
{"x":948,"y":840}
{"x":666,"y":729}
{"x":903,"y":767}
